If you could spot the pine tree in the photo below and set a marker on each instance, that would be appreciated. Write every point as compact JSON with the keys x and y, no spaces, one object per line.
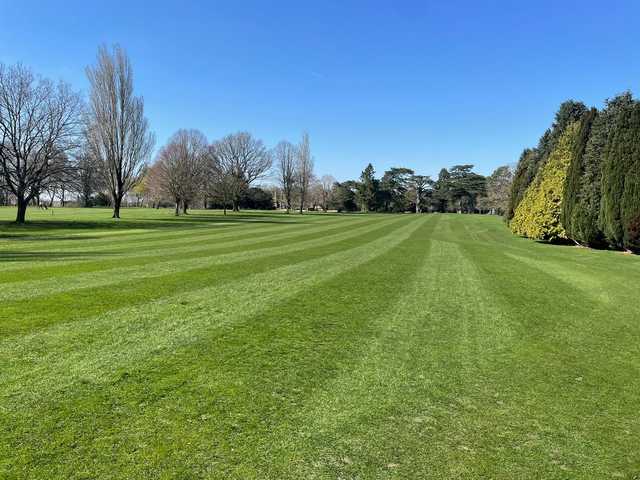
{"x":367,"y":189}
{"x":538,"y":214}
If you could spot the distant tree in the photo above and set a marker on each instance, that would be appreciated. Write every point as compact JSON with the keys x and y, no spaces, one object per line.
{"x":326,"y":185}
{"x":39,"y":127}
{"x":367,"y":189}
{"x":256,"y":198}
{"x":498,"y":190}
{"x":441,"y":194}
{"x":87,"y":180}
{"x":153,"y":186}
{"x":343,"y":197}
{"x":238,"y":160}
{"x":393,"y":189}
{"x":465,"y":187}
{"x":538,"y":214}
{"x":304,"y":169}
{"x":182,"y":165}
{"x":285,"y":155}
{"x":117,"y":131}
{"x":420,"y":184}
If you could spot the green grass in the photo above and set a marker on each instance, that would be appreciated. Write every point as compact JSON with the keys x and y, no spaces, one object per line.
{"x":271,"y":346}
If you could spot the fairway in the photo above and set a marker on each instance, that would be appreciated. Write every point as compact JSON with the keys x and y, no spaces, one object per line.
{"x":274,"y":346}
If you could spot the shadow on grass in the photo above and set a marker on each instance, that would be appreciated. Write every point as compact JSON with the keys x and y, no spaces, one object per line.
{"x":11,"y":230}
{"x":8,"y":256}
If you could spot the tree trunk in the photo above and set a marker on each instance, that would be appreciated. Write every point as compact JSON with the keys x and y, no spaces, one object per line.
{"x":22,"y":210}
{"x":116,"y":207}
{"x":177,"y":207}
{"x":185,"y":206}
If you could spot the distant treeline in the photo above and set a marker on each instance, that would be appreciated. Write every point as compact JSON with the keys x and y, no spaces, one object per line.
{"x":582,"y":181}
{"x":458,"y":189}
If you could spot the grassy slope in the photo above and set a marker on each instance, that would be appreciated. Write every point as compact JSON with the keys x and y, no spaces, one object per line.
{"x":274,"y":346}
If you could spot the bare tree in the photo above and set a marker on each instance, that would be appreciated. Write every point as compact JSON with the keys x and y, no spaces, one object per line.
{"x":238,"y":161}
{"x":304,"y":169}
{"x":181,"y":167}
{"x":285,"y":155}
{"x":39,"y":126}
{"x":117,"y":130}
{"x":153,"y":186}
{"x":326,"y":182}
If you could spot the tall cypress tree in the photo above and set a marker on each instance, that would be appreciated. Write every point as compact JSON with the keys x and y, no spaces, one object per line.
{"x":571,"y":209}
{"x":630,"y":201}
{"x":618,"y":178}
{"x":525,"y":172}
{"x":585,"y":224}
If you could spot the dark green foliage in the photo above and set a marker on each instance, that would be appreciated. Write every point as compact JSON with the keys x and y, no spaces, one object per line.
{"x":571,"y":208}
{"x":367,"y":189}
{"x":256,"y":198}
{"x":465,"y":186}
{"x":440,"y":197}
{"x":620,"y":205}
{"x":458,"y":190}
{"x":343,"y":197}
{"x":394,"y":187}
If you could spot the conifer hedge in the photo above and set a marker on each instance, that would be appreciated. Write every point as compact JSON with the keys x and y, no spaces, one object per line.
{"x":582,"y":181}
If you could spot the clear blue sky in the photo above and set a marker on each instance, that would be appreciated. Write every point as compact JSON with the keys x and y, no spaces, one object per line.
{"x":419,"y":84}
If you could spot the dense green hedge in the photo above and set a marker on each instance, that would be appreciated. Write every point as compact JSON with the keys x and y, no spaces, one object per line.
{"x":538,"y":214}
{"x":582,"y":181}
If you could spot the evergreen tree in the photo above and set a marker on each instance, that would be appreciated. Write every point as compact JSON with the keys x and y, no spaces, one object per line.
{"x":620,"y":202}
{"x":367,"y":189}
{"x":394,"y":186}
{"x":525,"y":172}
{"x":532,"y":160}
{"x":440,"y":197}
{"x":571,"y":208}
{"x":538,"y":214}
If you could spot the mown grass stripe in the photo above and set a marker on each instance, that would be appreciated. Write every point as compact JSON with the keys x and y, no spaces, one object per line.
{"x":198,"y":343}
{"x":145,"y":258}
{"x":76,"y":304}
{"x":88,"y":347}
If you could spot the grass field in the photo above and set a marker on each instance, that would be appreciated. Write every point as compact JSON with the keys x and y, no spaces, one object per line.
{"x":267,"y":346}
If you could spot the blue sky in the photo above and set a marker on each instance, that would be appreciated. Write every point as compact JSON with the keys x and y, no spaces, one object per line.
{"x":416,"y":84}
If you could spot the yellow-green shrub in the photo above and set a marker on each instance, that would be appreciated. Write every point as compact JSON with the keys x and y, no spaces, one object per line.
{"x":538,"y":214}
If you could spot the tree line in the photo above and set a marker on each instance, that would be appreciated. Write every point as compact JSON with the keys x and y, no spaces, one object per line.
{"x":582,"y":181}
{"x":53,"y":143}
{"x":457,"y":189}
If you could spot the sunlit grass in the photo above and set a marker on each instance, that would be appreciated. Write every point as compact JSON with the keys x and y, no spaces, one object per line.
{"x":266,"y":345}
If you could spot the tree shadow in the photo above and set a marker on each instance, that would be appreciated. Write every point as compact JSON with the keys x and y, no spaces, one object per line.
{"x":12,"y":256}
